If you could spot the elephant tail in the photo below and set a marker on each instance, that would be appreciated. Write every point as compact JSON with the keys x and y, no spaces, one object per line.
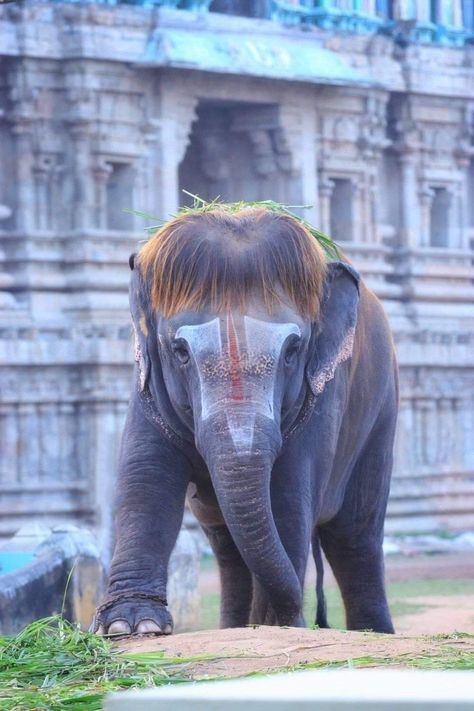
{"x":321,"y":612}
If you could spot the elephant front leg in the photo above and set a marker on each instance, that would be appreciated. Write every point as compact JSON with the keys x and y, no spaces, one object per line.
{"x":153,"y":476}
{"x":359,"y":571}
{"x":352,"y":541}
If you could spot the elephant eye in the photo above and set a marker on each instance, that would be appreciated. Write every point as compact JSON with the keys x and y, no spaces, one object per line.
{"x":292,"y":351}
{"x":181,"y":353}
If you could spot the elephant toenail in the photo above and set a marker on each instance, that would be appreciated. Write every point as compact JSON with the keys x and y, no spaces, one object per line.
{"x":147,"y":627}
{"x":119,"y":627}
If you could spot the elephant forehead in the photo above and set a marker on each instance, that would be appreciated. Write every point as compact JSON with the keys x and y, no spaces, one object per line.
{"x":244,"y":337}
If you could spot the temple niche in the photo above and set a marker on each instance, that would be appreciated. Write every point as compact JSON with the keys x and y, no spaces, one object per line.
{"x":238,"y":152}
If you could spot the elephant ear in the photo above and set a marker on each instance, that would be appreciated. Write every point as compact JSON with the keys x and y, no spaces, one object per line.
{"x":333,"y":336}
{"x":143,"y":326}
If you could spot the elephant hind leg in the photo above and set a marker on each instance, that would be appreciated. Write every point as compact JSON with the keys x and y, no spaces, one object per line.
{"x":235,"y":577}
{"x":262,"y":612}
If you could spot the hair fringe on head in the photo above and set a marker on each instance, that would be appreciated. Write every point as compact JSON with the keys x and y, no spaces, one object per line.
{"x":217,"y":259}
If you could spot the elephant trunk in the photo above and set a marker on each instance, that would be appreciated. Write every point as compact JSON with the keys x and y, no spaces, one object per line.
{"x":241,"y":479}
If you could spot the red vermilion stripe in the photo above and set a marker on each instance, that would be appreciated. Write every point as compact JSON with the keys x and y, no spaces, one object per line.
{"x":237,"y":387}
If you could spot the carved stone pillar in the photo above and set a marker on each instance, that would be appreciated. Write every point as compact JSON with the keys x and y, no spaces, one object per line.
{"x":102,"y":172}
{"x":464,"y":154}
{"x":10,"y":443}
{"x":24,"y":216}
{"x":326,"y":187}
{"x":84,"y":203}
{"x":426,"y":196}
{"x":298,"y":124}
{"x":45,"y":173}
{"x":177,"y":115}
{"x":457,"y":212}
{"x":409,"y":202}
{"x":359,"y":209}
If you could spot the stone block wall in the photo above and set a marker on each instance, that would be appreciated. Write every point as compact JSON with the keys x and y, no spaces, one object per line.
{"x":92,"y":121}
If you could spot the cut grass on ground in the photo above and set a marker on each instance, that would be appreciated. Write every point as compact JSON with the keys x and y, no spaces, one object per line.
{"x":52,"y":665}
{"x":405,"y":598}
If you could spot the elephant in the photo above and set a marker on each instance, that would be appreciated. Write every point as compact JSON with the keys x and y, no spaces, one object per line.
{"x":266,"y":393}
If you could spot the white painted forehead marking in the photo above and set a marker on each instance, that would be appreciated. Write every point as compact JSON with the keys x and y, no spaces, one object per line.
{"x":259,"y":335}
{"x":231,"y":369}
{"x":203,"y":336}
{"x":270,"y":336}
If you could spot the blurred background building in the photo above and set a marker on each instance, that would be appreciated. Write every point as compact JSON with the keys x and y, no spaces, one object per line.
{"x":362,"y":109}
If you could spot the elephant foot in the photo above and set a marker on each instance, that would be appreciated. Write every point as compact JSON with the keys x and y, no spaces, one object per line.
{"x":266,"y":615}
{"x":132,"y":614}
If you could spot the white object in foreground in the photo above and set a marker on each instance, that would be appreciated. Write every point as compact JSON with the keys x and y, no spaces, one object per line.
{"x":333,"y":690}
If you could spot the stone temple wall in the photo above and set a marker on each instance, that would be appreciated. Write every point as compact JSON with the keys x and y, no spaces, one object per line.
{"x":110,"y":107}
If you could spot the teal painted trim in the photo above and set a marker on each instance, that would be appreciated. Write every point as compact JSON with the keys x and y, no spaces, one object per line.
{"x":326,"y":17}
{"x":323,"y":14}
{"x":412,"y":32}
{"x":279,"y":57}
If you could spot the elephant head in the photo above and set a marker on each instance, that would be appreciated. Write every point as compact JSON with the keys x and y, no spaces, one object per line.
{"x":240,"y":321}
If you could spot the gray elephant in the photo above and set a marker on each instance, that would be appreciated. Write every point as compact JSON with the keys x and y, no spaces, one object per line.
{"x":266,"y":390}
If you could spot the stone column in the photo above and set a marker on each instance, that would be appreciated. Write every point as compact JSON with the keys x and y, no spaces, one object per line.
{"x":178,"y":112}
{"x":24,"y":217}
{"x":84,"y":201}
{"x":464,"y":154}
{"x":457,"y":228}
{"x":359,"y":220}
{"x":326,"y":186}
{"x":10,"y":443}
{"x":102,"y":172}
{"x":409,"y":202}
{"x":426,"y":195}
{"x":41,"y":175}
{"x":299,"y":126}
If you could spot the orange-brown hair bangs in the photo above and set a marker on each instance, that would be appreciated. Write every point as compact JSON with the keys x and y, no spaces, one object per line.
{"x":216,"y":259}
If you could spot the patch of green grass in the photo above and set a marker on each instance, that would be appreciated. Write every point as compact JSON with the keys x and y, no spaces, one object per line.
{"x":209,"y":612}
{"x":424,"y":588}
{"x":53,"y":665}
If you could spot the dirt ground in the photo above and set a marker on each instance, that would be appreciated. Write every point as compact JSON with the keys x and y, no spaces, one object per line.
{"x":237,"y":652}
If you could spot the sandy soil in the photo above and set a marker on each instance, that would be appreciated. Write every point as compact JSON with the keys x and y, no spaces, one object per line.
{"x":444,"y":614}
{"x":237,"y":652}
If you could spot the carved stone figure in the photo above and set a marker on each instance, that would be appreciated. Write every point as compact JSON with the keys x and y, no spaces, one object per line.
{"x":266,"y":389}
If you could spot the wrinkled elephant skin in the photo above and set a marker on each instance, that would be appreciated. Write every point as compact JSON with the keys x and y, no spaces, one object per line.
{"x":280,"y":430}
